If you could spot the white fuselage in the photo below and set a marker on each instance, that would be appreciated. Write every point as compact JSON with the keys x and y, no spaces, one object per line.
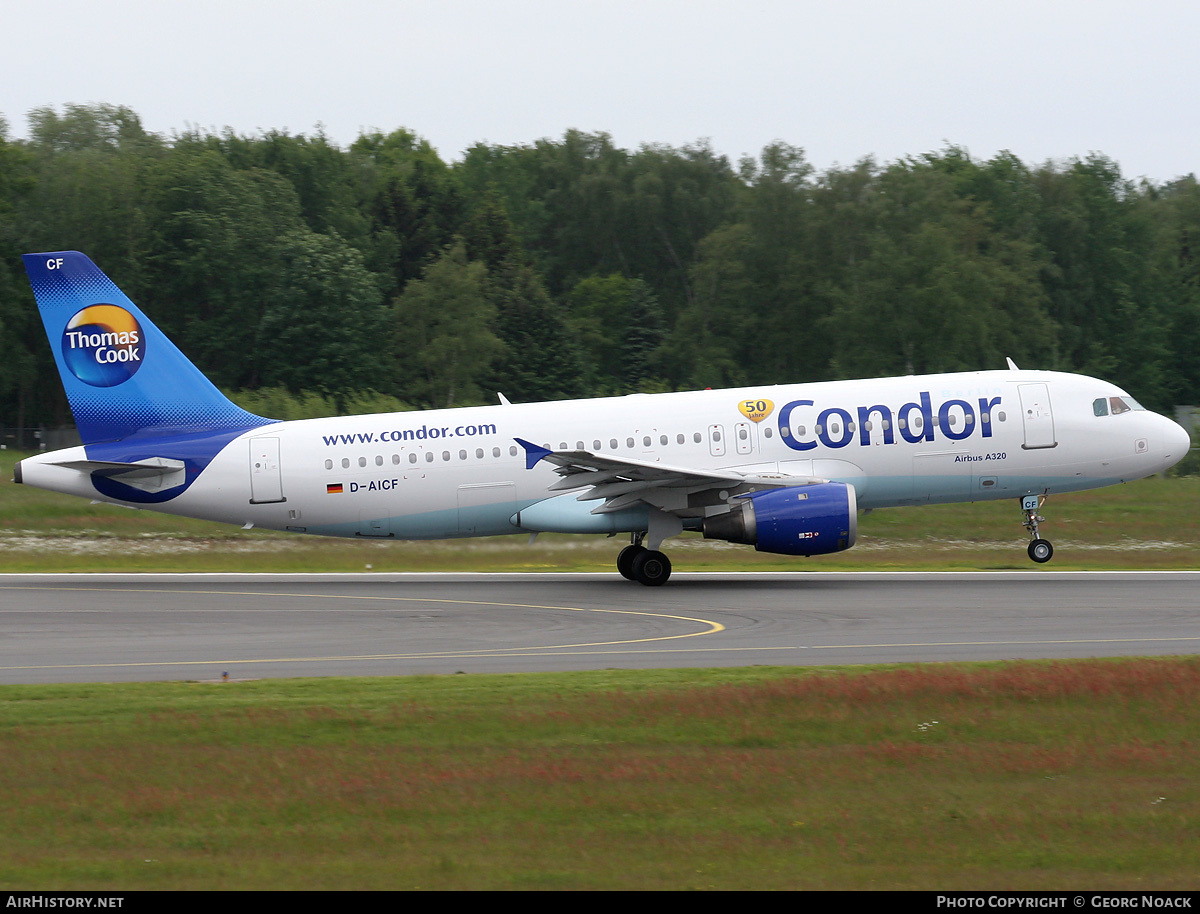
{"x":969,"y":436}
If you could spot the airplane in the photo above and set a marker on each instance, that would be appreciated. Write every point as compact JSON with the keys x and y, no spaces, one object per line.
{"x":783,"y":468}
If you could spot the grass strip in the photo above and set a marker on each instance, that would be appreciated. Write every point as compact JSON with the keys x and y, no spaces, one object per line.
{"x":1032,"y":775}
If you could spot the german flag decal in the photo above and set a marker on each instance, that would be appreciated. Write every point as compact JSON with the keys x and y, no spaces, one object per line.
{"x":333,"y":488}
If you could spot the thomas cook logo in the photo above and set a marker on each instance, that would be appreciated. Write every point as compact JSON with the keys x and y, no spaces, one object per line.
{"x":103,"y":345}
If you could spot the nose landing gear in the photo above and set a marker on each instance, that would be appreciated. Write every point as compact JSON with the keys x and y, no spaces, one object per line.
{"x":1040,"y":550}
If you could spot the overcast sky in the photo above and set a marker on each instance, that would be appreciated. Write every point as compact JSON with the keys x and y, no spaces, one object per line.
{"x":1045,"y":79}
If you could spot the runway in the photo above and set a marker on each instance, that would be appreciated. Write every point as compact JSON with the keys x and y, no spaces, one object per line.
{"x":121,"y":628}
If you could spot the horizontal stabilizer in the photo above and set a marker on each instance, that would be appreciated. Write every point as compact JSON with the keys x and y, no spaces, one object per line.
{"x":150,"y":475}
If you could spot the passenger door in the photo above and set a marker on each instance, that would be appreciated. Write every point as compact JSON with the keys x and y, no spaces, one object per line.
{"x":1037,"y":416}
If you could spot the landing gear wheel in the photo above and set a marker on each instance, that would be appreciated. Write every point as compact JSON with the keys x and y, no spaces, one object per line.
{"x":1041,"y":551}
{"x":651,"y":568}
{"x":625,"y":561}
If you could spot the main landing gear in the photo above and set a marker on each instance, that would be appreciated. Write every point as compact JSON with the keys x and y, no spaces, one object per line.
{"x":1040,"y":550}
{"x":646,"y":566}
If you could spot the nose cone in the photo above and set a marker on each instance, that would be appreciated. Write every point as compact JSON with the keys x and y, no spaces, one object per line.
{"x":1176,"y":442}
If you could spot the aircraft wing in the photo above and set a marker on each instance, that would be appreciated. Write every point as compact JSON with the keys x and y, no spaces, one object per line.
{"x":623,"y":481}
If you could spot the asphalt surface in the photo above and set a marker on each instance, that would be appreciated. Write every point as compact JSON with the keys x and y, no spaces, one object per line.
{"x":120,"y":628}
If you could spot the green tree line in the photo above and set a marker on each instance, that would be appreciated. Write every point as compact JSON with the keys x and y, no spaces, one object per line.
{"x":291,"y":269}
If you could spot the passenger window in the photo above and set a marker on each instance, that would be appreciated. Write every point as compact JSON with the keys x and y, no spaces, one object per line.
{"x":646,"y":441}
{"x":495,"y":452}
{"x":462,"y":455}
{"x":612,"y":444}
{"x":662,"y":439}
{"x":378,"y":460}
{"x":596,"y":445}
{"x":412,"y":458}
{"x":345,"y":463}
{"x":767,"y":431}
{"x":629,"y":442}
{"x":395,"y":458}
{"x":362,"y":461}
{"x":679,"y":439}
{"x":1100,"y":407}
{"x":478,"y":453}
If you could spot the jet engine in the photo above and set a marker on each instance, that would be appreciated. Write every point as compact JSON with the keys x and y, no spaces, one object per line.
{"x":797,"y":520}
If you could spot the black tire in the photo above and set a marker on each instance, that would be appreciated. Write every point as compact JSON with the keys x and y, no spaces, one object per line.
{"x":625,"y":561}
{"x":1041,"y":551}
{"x":651,"y":568}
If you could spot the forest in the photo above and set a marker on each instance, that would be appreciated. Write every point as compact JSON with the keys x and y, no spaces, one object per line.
{"x":307,"y":278}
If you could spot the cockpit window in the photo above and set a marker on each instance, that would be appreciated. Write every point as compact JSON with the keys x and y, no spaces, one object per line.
{"x":1114,"y":406}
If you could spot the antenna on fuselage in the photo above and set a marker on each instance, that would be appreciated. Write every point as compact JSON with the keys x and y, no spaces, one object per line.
{"x":1012,"y":366}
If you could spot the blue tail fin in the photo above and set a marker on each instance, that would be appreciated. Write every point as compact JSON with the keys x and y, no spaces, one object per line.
{"x":123,"y":377}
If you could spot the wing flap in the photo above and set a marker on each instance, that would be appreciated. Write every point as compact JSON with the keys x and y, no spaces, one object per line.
{"x":623,"y":482}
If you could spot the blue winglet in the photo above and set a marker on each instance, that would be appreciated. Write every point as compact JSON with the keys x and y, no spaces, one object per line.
{"x":533,"y":452}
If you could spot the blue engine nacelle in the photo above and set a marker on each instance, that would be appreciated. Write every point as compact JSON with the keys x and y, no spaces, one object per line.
{"x":798,"y":520}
